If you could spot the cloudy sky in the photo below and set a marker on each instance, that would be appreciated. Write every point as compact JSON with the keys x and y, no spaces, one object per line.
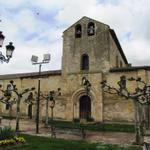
{"x":36,"y":26}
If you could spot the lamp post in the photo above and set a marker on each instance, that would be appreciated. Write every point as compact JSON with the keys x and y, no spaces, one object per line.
{"x":34,"y":59}
{"x":9,"y":49}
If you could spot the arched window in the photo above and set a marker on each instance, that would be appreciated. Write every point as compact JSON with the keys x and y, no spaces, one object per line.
{"x":91,"y":28}
{"x":7,"y":106}
{"x":78,"y":31}
{"x":8,"y":91}
{"x":84,"y":62}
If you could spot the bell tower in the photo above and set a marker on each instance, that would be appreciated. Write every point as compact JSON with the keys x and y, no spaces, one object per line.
{"x":90,"y":47}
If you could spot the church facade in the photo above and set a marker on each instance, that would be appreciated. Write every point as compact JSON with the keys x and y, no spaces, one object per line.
{"x":90,"y":49}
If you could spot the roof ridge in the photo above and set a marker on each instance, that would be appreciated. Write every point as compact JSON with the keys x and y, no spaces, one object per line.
{"x":29,"y":74}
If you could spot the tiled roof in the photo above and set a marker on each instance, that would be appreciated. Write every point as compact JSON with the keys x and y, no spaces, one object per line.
{"x":30,"y":75}
{"x":113,"y":34}
{"x":133,"y":68}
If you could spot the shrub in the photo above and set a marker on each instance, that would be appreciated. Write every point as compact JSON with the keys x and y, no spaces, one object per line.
{"x":90,"y":119}
{"x":111,"y":127}
{"x":19,"y":139}
{"x":15,"y":140}
{"x":6,"y":133}
{"x":76,"y":120}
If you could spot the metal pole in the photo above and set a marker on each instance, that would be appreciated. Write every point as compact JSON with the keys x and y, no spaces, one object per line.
{"x":38,"y":102}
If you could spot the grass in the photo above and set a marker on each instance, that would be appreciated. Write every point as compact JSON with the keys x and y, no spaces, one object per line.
{"x":43,"y":143}
{"x":95,"y":127}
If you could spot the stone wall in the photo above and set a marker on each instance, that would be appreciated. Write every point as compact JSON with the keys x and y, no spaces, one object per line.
{"x":115,"y":107}
{"x":104,"y":107}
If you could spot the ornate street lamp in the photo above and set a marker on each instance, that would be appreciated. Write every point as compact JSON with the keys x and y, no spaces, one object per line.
{"x":34,"y":60}
{"x":9,"y":49}
{"x":2,"y":37}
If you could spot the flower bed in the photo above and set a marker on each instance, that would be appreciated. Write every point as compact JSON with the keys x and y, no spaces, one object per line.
{"x":13,"y":141}
{"x":8,"y":137}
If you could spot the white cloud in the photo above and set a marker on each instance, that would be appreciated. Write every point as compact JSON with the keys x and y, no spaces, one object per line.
{"x":10,"y":3}
{"x":36,"y":28}
{"x":74,"y":10}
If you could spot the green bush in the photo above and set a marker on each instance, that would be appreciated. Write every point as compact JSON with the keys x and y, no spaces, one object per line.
{"x":6,"y":133}
{"x":90,"y":119}
{"x":111,"y":127}
{"x":76,"y":120}
{"x":9,"y":117}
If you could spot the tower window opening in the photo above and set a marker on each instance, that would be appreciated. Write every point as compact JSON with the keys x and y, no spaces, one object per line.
{"x":7,"y":106}
{"x":84,"y":62}
{"x":91,"y":29}
{"x":78,"y":31}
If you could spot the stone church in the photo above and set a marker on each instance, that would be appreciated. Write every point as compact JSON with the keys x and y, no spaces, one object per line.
{"x":90,"y":49}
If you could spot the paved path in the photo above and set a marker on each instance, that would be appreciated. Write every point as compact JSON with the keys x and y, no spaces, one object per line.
{"x":28,"y":127}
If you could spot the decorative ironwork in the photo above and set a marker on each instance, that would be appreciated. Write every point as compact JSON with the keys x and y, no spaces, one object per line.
{"x":9,"y":50}
{"x":86,"y":84}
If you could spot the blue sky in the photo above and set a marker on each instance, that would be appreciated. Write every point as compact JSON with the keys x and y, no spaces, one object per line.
{"x":35,"y":27}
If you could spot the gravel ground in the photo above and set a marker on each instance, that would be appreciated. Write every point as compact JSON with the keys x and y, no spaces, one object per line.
{"x":28,"y":127}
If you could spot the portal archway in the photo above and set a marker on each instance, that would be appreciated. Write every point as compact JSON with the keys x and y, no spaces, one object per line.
{"x":79,"y":95}
{"x":85,"y":107}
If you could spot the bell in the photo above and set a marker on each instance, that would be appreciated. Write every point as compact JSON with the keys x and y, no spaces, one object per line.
{"x":91,"y":31}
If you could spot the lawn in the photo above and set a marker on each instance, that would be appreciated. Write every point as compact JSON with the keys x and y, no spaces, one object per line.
{"x":43,"y":143}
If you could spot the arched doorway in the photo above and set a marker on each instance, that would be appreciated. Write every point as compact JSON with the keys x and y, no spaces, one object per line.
{"x":85,"y":107}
